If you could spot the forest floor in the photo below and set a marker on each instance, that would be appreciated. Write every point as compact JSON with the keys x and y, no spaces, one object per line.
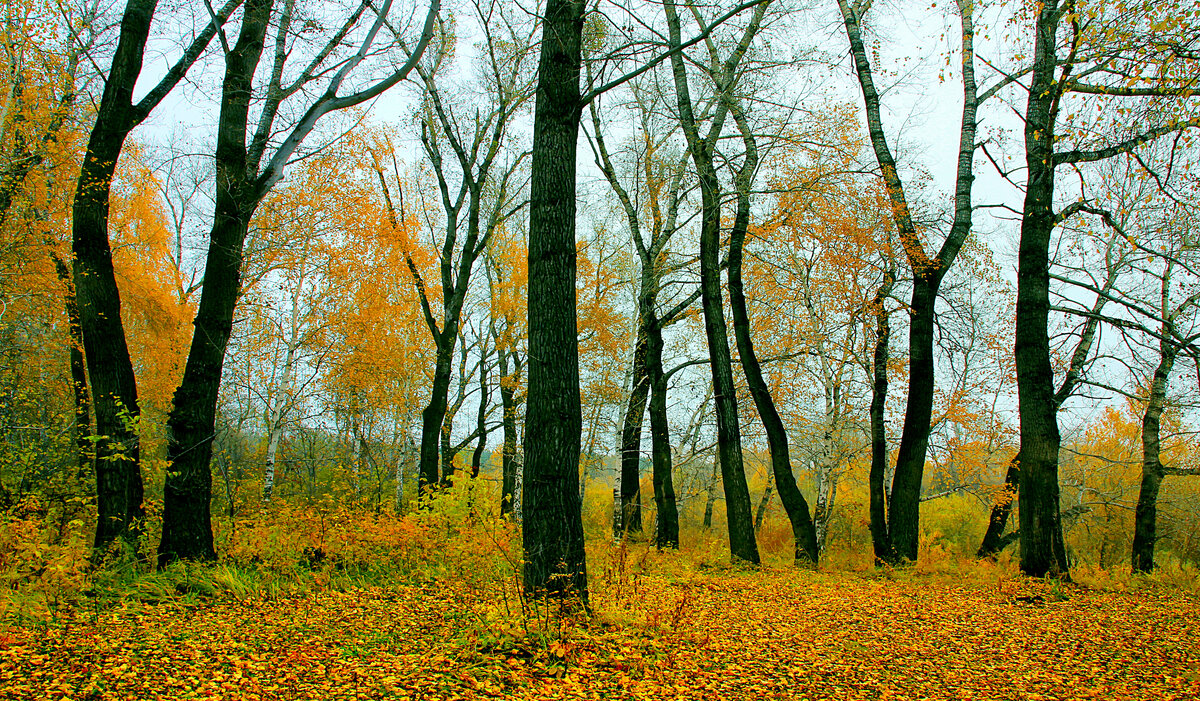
{"x":702,"y":634}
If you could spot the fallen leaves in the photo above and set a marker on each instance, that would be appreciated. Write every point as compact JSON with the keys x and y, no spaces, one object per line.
{"x":767,"y":635}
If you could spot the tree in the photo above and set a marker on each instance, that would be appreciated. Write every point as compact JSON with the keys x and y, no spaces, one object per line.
{"x":245,"y":173}
{"x":555,"y":561}
{"x":476,"y":189}
{"x":1137,"y":39}
{"x":119,"y":488}
{"x":702,"y":149}
{"x":660,"y":175}
{"x":898,"y":538}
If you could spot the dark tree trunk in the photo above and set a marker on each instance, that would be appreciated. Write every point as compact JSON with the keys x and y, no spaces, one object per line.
{"x":187,"y":490}
{"x":1042,"y":549}
{"x":804,"y":533}
{"x":508,"y":456}
{"x":739,"y":513}
{"x":712,"y":494}
{"x":434,"y":413}
{"x":555,"y":561}
{"x":119,"y":488}
{"x":79,"y":384}
{"x":480,"y":420}
{"x":881,"y":540}
{"x":1146,"y":514}
{"x":631,"y":439}
{"x":760,"y":514}
{"x":993,"y":537}
{"x":666,"y":532}
{"x":904,"y":512}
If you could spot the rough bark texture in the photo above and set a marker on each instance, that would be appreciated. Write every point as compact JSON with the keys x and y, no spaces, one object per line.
{"x":1146,"y":513}
{"x":666,"y":532}
{"x":508,"y":455}
{"x":434,"y":412}
{"x":631,"y":439}
{"x":1042,"y":548}
{"x":187,"y":490}
{"x":555,"y":562}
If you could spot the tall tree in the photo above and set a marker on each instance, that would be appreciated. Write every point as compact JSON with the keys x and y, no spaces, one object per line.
{"x":246,"y":171}
{"x":1122,"y":39}
{"x":900,"y":535}
{"x":476,"y":189}
{"x":804,"y":533}
{"x":555,"y":562}
{"x":119,"y":488}
{"x":659,"y":188}
{"x":703,"y":149}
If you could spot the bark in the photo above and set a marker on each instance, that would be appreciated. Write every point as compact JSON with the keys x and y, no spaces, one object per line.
{"x":880,"y":539}
{"x":993,"y":540}
{"x":481,"y":420}
{"x":666,"y":532}
{"x":826,"y":498}
{"x":187,"y":490}
{"x":555,"y":562}
{"x":631,"y":440}
{"x":79,"y":385}
{"x":712,"y":494}
{"x":434,"y":414}
{"x":760,"y":514}
{"x":993,"y":537}
{"x":1042,"y":549}
{"x":508,"y":456}
{"x":1146,"y":512}
{"x":803,"y":531}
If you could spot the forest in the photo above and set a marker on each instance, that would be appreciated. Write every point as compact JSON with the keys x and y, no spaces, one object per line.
{"x":599,"y":349}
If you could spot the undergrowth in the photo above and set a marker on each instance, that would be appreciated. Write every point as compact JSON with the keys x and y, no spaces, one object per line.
{"x":452,"y":545}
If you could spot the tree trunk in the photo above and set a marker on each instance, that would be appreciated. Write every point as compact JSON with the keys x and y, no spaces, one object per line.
{"x":119,"y":489}
{"x":803,"y":533}
{"x":1042,"y":549}
{"x":826,"y":498}
{"x":434,"y":413}
{"x":738,"y":511}
{"x":631,"y":437}
{"x":666,"y":531}
{"x":904,"y":500}
{"x":508,"y":457}
{"x":480,"y":420}
{"x":555,"y":562}
{"x":881,"y":540}
{"x":187,"y":490}
{"x":761,"y":512}
{"x":993,"y":537}
{"x":79,"y":383}
{"x":904,"y":510}
{"x":712,"y":494}
{"x":1146,"y":514}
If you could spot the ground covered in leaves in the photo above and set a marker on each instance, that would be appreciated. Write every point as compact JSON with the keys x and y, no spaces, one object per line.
{"x":783,"y":634}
